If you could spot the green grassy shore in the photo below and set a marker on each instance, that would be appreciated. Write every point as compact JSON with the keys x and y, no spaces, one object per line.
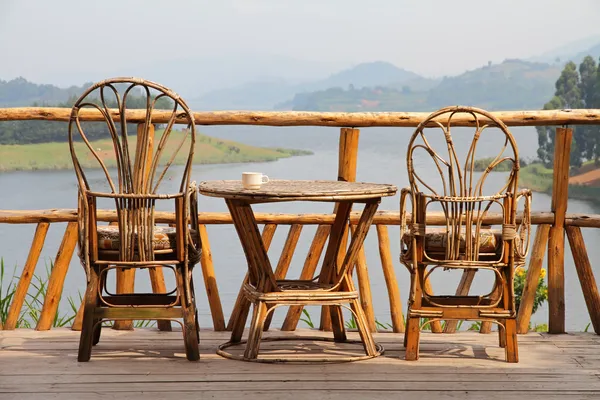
{"x":208,"y":150}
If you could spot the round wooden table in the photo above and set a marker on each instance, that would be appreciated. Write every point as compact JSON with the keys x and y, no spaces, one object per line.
{"x":333,"y":287}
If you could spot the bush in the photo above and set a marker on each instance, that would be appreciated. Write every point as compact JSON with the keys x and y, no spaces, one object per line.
{"x":541,"y":293}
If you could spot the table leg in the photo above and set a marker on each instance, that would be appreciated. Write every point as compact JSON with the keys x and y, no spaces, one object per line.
{"x":345,"y":280}
{"x":260,"y":274}
{"x":329,"y":270}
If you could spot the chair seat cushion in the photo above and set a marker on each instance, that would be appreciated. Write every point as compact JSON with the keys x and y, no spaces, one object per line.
{"x":436,"y":240}
{"x":108,"y":237}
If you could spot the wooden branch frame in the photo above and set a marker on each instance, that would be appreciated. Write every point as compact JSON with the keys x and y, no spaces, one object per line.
{"x":308,"y":118}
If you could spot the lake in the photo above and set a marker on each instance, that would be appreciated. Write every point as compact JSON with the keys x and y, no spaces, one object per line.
{"x":382,"y":158}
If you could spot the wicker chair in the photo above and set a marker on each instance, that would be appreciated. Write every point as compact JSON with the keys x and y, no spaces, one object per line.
{"x":479,"y":228}
{"x":129,"y":173}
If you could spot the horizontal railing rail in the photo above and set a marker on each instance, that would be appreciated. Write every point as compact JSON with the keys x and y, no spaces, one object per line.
{"x":307,"y":118}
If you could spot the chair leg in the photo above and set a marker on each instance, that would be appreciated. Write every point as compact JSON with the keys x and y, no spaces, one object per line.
{"x":86,"y":338}
{"x":501,"y":333}
{"x":411,"y":339}
{"x":195,"y":308}
{"x":259,"y":314}
{"x":363,"y":329}
{"x":97,"y":331}
{"x":337,"y":324}
{"x":190,"y":334}
{"x":512,"y":351}
{"x":237,"y":330}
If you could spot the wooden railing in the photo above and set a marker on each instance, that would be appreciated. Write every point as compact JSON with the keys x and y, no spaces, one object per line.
{"x":550,"y":234}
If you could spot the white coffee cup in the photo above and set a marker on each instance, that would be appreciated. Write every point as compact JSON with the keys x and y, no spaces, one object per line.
{"x":253,"y":180}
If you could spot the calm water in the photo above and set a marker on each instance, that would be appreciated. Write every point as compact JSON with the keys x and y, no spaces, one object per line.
{"x":382,"y":155}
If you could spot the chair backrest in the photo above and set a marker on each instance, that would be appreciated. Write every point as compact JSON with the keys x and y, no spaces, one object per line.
{"x":140,"y":159}
{"x":460,"y":186}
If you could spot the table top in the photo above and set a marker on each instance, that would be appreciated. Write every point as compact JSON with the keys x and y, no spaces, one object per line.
{"x":288,"y":190}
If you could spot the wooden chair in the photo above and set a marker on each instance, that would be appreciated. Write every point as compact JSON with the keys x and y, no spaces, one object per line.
{"x":128,"y":174}
{"x":469,"y":238}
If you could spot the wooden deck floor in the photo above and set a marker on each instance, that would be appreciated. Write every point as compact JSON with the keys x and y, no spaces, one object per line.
{"x":146,"y":364}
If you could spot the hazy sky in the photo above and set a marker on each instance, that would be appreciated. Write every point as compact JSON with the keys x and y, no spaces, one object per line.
{"x":65,"y":41}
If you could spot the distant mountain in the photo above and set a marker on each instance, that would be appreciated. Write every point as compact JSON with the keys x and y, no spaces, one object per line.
{"x":593,"y":51}
{"x":263,"y":94}
{"x":570,"y":51}
{"x":512,"y":84}
{"x":21,"y":92}
{"x":371,"y":74}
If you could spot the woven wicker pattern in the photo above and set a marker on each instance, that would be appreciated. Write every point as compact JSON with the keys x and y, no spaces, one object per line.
{"x":164,"y":237}
{"x":286,"y":190}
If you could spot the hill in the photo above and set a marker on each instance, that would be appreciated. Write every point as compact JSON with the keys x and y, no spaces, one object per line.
{"x":512,"y":84}
{"x":209,"y":150}
{"x":264,"y":94}
{"x":20,"y":92}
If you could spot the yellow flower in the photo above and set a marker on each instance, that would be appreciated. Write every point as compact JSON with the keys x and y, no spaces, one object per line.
{"x":543,"y":273}
{"x":520,"y":271}
{"x":545,"y":291}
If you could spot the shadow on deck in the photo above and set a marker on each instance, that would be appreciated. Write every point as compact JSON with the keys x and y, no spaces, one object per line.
{"x":148,"y":364}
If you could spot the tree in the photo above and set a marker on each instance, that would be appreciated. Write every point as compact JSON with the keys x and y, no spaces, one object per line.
{"x":586,"y":137}
{"x":568,"y":94}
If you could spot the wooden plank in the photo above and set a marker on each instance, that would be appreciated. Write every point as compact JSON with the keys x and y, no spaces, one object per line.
{"x":57,"y":277}
{"x":294,"y":374}
{"x":533,"y":275}
{"x":308,"y":271}
{"x":389,"y":275}
{"x":276,"y":394}
{"x":28,"y":271}
{"x":556,"y":245}
{"x":585,"y":274}
{"x":210,"y":281}
{"x":304,"y":118}
{"x":299,"y":386}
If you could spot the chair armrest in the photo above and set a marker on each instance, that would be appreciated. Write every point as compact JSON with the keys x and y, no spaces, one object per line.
{"x":405,"y":249}
{"x":524,"y":227}
{"x":192,"y":201}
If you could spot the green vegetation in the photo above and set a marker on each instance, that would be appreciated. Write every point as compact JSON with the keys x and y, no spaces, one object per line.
{"x":483,"y":163}
{"x":536,"y":177}
{"x":575,"y":88}
{"x":541,"y":293}
{"x":209,"y":150}
{"x":32,"y":306}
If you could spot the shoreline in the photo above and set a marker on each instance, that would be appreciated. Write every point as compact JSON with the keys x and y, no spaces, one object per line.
{"x":55,"y":156}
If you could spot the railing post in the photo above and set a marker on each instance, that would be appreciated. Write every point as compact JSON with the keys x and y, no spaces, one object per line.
{"x":556,"y":243}
{"x":347,"y":159}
